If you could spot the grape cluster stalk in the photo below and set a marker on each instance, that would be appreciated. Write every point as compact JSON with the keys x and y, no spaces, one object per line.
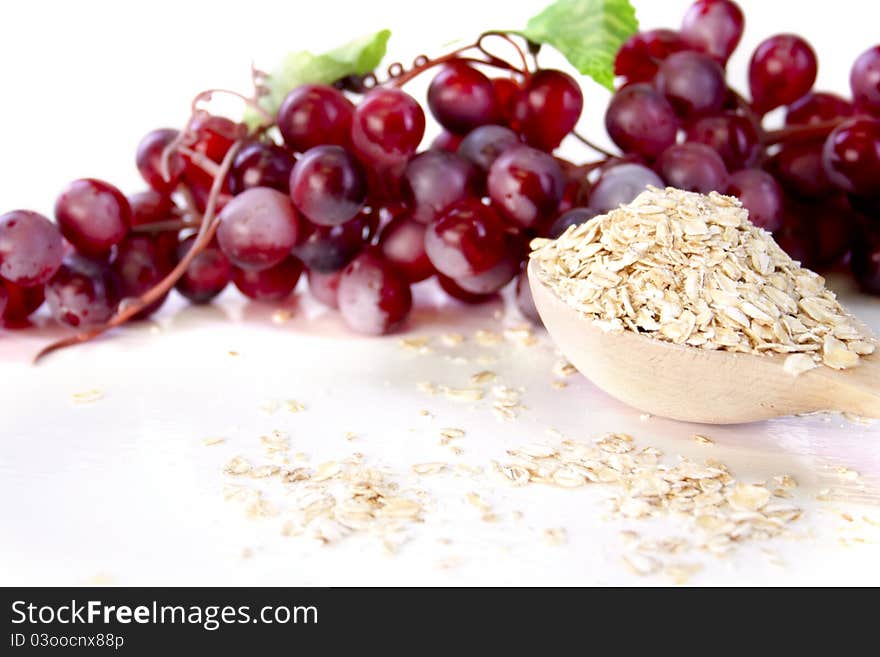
{"x":337,"y":187}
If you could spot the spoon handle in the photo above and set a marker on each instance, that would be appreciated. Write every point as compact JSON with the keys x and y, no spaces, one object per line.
{"x":855,"y":390}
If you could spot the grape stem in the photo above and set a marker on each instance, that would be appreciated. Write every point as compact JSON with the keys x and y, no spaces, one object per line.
{"x":131,"y":306}
{"x":799,"y":132}
{"x":595,"y":147}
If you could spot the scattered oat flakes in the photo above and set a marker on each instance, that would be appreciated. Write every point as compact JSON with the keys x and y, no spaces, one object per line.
{"x":270,"y":406}
{"x":487,"y":338}
{"x":351,"y":435}
{"x":210,"y":442}
{"x":429,"y":468}
{"x":451,"y":339}
{"x":418,"y":344}
{"x":559,"y":385}
{"x":87,"y":397}
{"x":463,"y":394}
{"x":233,"y":353}
{"x":281,"y":315}
{"x":563,"y":368}
{"x":554,"y":536}
{"x":427,"y":387}
{"x":426,"y":413}
{"x":237,"y":465}
{"x":483,"y":377}
{"x":703,"y":440}
{"x":294,"y":406}
{"x":521,"y":335}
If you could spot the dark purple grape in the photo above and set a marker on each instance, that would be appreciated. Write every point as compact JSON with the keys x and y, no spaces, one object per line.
{"x":693,"y":83}
{"x":620,"y":184}
{"x":483,"y":145}
{"x":402,"y":243}
{"x":387,"y":127}
{"x":207,"y":275}
{"x":733,"y":136}
{"x":258,"y":228}
{"x":797,"y":236}
{"x":21,"y":302}
{"x":374,"y":298}
{"x":851,"y":156}
{"x":325,"y":287}
{"x":640,"y":120}
{"x":149,"y":160}
{"x":93,"y":216}
{"x":83,"y":292}
{"x":798,"y":168}
{"x":573,"y":217}
{"x":817,"y":107}
{"x":547,"y":108}
{"x":526,"y":185}
{"x":461,"y":98}
{"x":261,"y":164}
{"x":638,"y":58}
{"x":524,"y":300}
{"x":506,"y":90}
{"x":272,"y":284}
{"x":434,"y":180}
{"x":328,"y":185}
{"x":149,"y":207}
{"x":865,"y":260}
{"x":713,"y":27}
{"x":835,"y":225}
{"x":782,"y":69}
{"x":315,"y":115}
{"x":693,"y":167}
{"x":864,"y":80}
{"x":31,"y":248}
{"x":330,"y":248}
{"x":760,"y":194}
{"x":467,"y":239}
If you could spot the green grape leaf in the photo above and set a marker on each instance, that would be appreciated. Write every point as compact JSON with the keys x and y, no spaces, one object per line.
{"x":587,"y":32}
{"x":357,"y":57}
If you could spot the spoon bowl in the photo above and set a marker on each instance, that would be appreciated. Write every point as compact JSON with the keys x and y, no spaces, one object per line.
{"x":697,"y":385}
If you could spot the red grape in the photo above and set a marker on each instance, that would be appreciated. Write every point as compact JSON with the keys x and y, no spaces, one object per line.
{"x":83,"y":292}
{"x":494,"y":278}
{"x":329,"y":248}
{"x":402,"y":243}
{"x":139,"y":264}
{"x":207,"y":274}
{"x":851,"y":156}
{"x":733,"y":136}
{"x":817,"y":107}
{"x":524,"y":300}
{"x":505,"y":90}
{"x":149,"y":207}
{"x":692,"y":82}
{"x":328,"y":185}
{"x":93,"y":216}
{"x":213,"y":136}
{"x":30,"y":248}
{"x":261,"y":164}
{"x":865,"y":261}
{"x":638,"y":58}
{"x":713,"y":27}
{"x":149,"y":160}
{"x":315,"y":115}
{"x":274,"y":283}
{"x":640,"y":120}
{"x":467,"y":239}
{"x":387,"y":127}
{"x":798,"y":168}
{"x":620,"y":184}
{"x":526,"y":185}
{"x":782,"y":69}
{"x":446,"y":141}
{"x":760,"y":194}
{"x":325,"y":287}
{"x":21,"y":302}
{"x":258,"y":228}
{"x":461,"y":98}
{"x":693,"y":167}
{"x":434,"y":180}
{"x":547,"y":108}
{"x":483,"y":145}
{"x":864,"y":80}
{"x":573,"y":217}
{"x":453,"y":289}
{"x":374,"y":298}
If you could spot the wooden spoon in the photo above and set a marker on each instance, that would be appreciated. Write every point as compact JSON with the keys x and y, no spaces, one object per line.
{"x":696,"y":385}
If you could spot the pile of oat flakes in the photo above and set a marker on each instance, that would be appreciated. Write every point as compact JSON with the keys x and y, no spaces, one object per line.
{"x":691,"y":269}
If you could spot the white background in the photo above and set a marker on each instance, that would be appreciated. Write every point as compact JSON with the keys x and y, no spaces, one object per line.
{"x":123,"y":491}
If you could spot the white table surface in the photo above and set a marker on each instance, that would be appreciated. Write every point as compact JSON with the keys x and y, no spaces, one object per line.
{"x":124,"y":491}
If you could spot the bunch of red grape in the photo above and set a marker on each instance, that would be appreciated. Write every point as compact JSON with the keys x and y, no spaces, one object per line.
{"x":339,"y":190}
{"x":815,"y":183}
